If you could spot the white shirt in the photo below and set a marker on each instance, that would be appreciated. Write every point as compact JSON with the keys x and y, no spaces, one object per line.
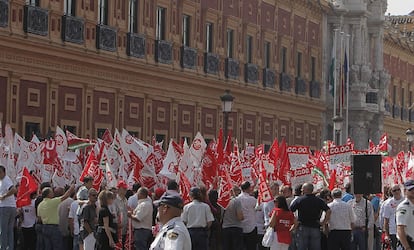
{"x":389,"y":212}
{"x":133,"y":201}
{"x":381,"y":213}
{"x":341,"y":215}
{"x":359,"y":210}
{"x":197,"y":214}
{"x":63,"y":210}
{"x":5,"y":186}
{"x":172,"y":236}
{"x":73,"y":214}
{"x":29,"y":215}
{"x":260,"y":220}
{"x":405,"y":217}
{"x":143,"y":212}
{"x":248,"y":204}
{"x":267,"y":208}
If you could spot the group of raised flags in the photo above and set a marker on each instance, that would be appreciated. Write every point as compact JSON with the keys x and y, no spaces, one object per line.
{"x":220,"y":165}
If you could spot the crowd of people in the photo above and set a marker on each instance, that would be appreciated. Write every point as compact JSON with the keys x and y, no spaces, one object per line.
{"x":300,"y":218}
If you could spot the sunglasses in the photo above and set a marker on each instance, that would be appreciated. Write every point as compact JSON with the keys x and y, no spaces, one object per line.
{"x":396,"y":190}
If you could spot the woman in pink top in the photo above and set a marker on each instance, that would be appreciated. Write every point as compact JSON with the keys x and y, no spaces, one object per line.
{"x":283,"y":221}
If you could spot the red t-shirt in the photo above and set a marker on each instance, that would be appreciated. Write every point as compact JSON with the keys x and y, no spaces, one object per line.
{"x":284,"y":221}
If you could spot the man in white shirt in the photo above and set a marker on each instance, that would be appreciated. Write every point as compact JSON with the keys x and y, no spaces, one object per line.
{"x":73,"y":217}
{"x":142,"y":220}
{"x":390,"y":226}
{"x":248,"y":203}
{"x":268,"y":206}
{"x":362,"y":209}
{"x":197,"y":217}
{"x":7,"y":210}
{"x":405,"y":217}
{"x":133,"y":199}
{"x":28,"y":224}
{"x":340,"y":223}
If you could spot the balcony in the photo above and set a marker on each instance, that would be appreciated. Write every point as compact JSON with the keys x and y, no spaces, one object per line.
{"x":269,"y":78}
{"x":315,"y":89}
{"x":300,"y":86}
{"x":4,"y":13}
{"x":411,"y":118}
{"x":163,"y":52}
{"x":387,"y":107}
{"x":136,"y":45}
{"x":404,"y":114}
{"x":73,"y":29}
{"x":188,"y":57}
{"x":232,"y":68}
{"x":251,"y":74}
{"x":285,"y":82}
{"x":106,"y":37}
{"x":36,"y":20}
{"x":211,"y":63}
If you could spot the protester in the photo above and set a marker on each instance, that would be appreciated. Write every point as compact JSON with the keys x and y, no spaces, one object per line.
{"x":89,"y":219}
{"x":287,"y":191}
{"x":87,"y":184}
{"x":215,"y":229}
{"x":7,"y":210}
{"x":63,"y":211}
{"x":142,"y":220}
{"x":405,"y":218}
{"x":173,"y":188}
{"x":309,"y":209}
{"x":107,"y":229}
{"x":174,"y":234}
{"x":28,"y":224}
{"x":248,"y":203}
{"x":325,"y":195}
{"x":390,"y":227}
{"x":347,"y":195}
{"x":48,"y":213}
{"x":39,"y":226}
{"x":363,"y":210}
{"x":121,"y":204}
{"x":73,"y":218}
{"x":197,"y":217}
{"x":232,"y":227}
{"x":133,"y":199}
{"x":341,"y":222}
{"x":260,"y":221}
{"x":283,"y":221}
{"x":270,"y":205}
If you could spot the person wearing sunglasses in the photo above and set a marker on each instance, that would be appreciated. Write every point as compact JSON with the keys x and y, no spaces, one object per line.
{"x":405,"y":217}
{"x":390,"y":227}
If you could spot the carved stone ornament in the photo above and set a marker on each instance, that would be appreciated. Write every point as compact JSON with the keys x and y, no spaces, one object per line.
{"x":251,"y":74}
{"x":106,"y":37}
{"x":4,"y":13}
{"x":136,"y":45}
{"x":315,"y":89}
{"x":73,"y":29}
{"x":188,"y":57}
{"x":163,"y":52}
{"x":300,"y":86}
{"x":232,"y":68}
{"x":211,"y":63}
{"x":36,"y":20}
{"x":285,"y":82}
{"x":269,"y":78}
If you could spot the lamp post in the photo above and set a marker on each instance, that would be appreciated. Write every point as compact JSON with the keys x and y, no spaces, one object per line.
{"x":227,"y":104}
{"x":337,"y":122}
{"x":410,"y":138}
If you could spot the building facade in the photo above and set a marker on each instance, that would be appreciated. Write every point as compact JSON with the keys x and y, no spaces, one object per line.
{"x":158,"y":67}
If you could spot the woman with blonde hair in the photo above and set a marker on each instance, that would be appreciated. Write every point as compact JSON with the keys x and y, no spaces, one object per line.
{"x":283,"y":221}
{"x":106,"y":237}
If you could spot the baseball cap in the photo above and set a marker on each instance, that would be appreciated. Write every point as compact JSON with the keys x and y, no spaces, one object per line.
{"x":409,"y":185}
{"x":171,"y":200}
{"x":122,"y":184}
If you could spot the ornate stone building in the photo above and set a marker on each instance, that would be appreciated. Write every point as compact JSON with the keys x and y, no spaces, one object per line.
{"x":158,"y":67}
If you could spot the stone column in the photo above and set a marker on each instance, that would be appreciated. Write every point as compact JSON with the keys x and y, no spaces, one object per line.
{"x":357,"y":44}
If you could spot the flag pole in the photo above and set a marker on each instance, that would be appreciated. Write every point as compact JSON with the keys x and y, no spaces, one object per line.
{"x":347,"y":87}
{"x":335,"y":39}
{"x":341,"y":79}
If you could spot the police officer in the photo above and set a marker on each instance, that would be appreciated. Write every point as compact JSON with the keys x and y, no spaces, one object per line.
{"x":173,"y":235}
{"x":405,"y":217}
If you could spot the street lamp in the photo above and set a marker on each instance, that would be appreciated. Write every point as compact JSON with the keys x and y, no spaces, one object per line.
{"x":410,"y":138}
{"x":337,"y":123}
{"x":227,"y":104}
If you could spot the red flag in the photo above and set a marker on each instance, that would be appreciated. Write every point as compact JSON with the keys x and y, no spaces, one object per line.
{"x":209,"y":167}
{"x":273,"y":156}
{"x":49,"y":152}
{"x":225,"y":190}
{"x":219,"y":148}
{"x":332,"y":180}
{"x":264,"y":191}
{"x":284,"y":163}
{"x":185,"y":187}
{"x":383,"y":143}
{"x":92,"y":169}
{"x":27,"y":186}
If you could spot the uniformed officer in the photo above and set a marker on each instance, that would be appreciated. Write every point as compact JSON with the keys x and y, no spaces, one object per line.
{"x":173,"y":235}
{"x":405,"y":217}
